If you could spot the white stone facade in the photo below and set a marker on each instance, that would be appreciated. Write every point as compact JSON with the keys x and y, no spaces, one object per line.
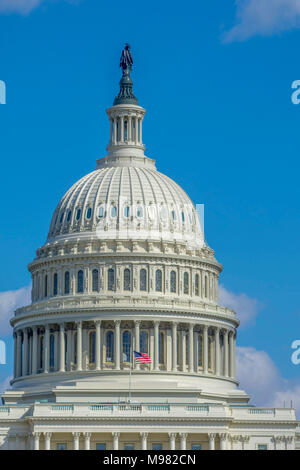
{"x":125,"y":267}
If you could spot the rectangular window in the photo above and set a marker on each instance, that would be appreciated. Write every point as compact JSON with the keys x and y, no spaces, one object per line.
{"x":262,"y":447}
{"x":157,"y":446}
{"x":129,"y":447}
{"x":61,"y":446}
{"x":196,"y":446}
{"x":101,"y":446}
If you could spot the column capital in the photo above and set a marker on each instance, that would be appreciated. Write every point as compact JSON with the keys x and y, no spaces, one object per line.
{"x":76,"y":434}
{"x":97,"y":322}
{"x":183,"y":435}
{"x":79,"y":324}
{"x":87,"y":435}
{"x":48,"y":435}
{"x":137,"y":322}
{"x":212,"y":435}
{"x":144,"y":435}
{"x":116,"y":434}
{"x":117,"y":322}
{"x":223,"y":436}
{"x":34,"y":434}
{"x":172,"y":434}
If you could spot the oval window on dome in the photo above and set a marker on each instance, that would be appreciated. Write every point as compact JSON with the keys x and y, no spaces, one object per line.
{"x":89,"y":213}
{"x":163,"y":213}
{"x":126,"y":211}
{"x":69,"y":216}
{"x":139,"y":212}
{"x":78,"y":214}
{"x":113,"y":211}
{"x":101,"y":212}
{"x":183,"y":216}
{"x":174,"y":216}
{"x":151,"y":212}
{"x":61,"y":218}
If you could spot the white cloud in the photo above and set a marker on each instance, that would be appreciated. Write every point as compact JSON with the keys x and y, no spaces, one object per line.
{"x":24,"y":6}
{"x":9,"y":302}
{"x":260,"y":377}
{"x":5,"y":384}
{"x":263,"y":18}
{"x":246,"y":307}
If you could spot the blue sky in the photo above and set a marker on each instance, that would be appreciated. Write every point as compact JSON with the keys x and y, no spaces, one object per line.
{"x":215,"y":78}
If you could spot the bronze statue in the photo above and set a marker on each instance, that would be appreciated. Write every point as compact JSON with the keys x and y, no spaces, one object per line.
{"x":126,"y":60}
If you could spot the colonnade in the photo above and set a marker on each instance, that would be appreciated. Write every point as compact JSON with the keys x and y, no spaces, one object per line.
{"x":95,"y":345}
{"x":126,"y":128}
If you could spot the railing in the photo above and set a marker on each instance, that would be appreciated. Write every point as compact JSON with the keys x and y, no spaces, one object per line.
{"x":101,"y":407}
{"x":62,"y":408}
{"x":158,"y":407}
{"x":4,"y":409}
{"x":197,"y":408}
{"x":261,"y":411}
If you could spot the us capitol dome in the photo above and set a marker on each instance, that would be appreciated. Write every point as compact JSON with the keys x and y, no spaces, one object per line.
{"x":126,"y":268}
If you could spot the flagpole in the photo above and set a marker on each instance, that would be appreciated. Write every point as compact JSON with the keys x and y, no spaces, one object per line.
{"x":129,"y":398}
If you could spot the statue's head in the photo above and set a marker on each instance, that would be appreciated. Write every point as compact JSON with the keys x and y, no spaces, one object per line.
{"x":127,"y":46}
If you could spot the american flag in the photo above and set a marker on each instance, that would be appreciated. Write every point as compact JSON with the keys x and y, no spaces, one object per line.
{"x":141,"y":358}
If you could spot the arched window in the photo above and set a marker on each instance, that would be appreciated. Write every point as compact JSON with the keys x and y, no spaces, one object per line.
{"x":197,"y":289}
{"x":127,"y":279}
{"x":158,"y":280}
{"x":51,"y":350}
{"x":143,"y":279}
{"x":67,"y":282}
{"x":186,"y":283}
{"x":80,"y":282}
{"x":125,"y":130}
{"x":126,"y":346}
{"x":41,"y":352}
{"x":182,"y":217}
{"x":46,"y":286}
{"x":113,"y":211}
{"x":144,"y":342}
{"x":92,"y":347}
{"x":126,"y":211}
{"x":206,"y":287}
{"x":174,"y":216}
{"x":111,"y":279}
{"x":95,"y":280}
{"x":69,"y":216}
{"x":161,"y":348}
{"x":173,"y":281}
{"x":200,"y":351}
{"x":139,"y":212}
{"x":61,"y":218}
{"x":55,"y":284}
{"x":110,"y":346}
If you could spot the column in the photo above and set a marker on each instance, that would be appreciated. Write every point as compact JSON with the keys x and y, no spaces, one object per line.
{"x":234,"y":356}
{"x":174,"y":346}
{"x":116,"y":436}
{"x":191,"y":347}
{"x":183,"y":350}
{"x":98,"y":344}
{"x":129,"y":120}
{"x":34,"y":350}
{"x":25,"y":353}
{"x":69,"y":349}
{"x":205,"y":349}
{"x":183,"y":438}
{"x":111,"y":132}
{"x":36,"y":440}
{"x":231,"y":341}
{"x":211,"y":439}
{"x":144,"y":436}
{"x":223,"y":441}
{"x":55,"y":351}
{"x":76,"y":436}
{"x":117,"y":344}
{"x":19,"y":353}
{"x":141,"y":130}
{"x":115,"y":131}
{"x":137,"y":340}
{"x":79,"y":345}
{"x":15,"y":355}
{"x":48,"y":440}
{"x":136,"y":130}
{"x":62,"y":347}
{"x":172,"y":437}
{"x":156,"y":345}
{"x":46,"y":350}
{"x":87,"y":441}
{"x":122,"y":128}
{"x":217,"y":350}
{"x":226,"y":353}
